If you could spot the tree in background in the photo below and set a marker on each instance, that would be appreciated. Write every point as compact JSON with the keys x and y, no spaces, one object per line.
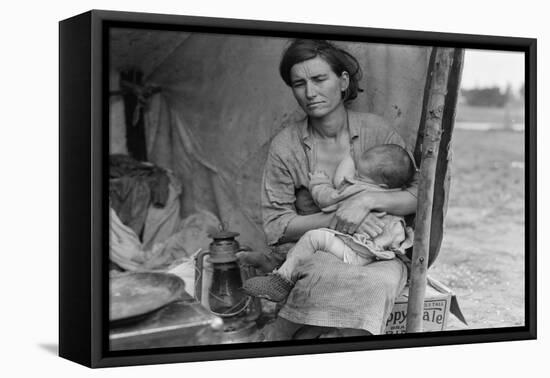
{"x":495,"y":107}
{"x":488,"y":96}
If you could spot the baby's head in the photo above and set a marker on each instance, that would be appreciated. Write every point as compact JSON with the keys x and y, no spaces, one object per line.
{"x":387,"y":164}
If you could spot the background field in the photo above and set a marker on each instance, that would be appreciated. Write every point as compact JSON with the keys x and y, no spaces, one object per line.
{"x":490,"y":118}
{"x":482,"y":256}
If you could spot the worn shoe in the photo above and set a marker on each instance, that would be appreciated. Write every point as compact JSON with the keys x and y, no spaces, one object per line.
{"x":272,"y":287}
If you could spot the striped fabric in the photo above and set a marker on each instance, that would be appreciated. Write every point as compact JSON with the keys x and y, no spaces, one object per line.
{"x":348,"y":296}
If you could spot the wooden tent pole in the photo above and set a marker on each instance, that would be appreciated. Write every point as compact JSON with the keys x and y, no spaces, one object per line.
{"x":430,"y":149}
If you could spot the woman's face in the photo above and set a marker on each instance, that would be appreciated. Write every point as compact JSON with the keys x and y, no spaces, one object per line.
{"x":316,"y":87}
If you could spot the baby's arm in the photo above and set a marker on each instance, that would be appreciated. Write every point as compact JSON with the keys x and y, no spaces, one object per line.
{"x":319,"y":178}
{"x":322,"y":191}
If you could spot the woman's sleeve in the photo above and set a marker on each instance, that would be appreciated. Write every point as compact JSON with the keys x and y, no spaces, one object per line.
{"x":278,"y":198}
{"x":394,"y":138}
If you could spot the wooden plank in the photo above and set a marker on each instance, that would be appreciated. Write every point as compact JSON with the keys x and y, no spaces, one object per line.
{"x":430,"y":149}
{"x":425,"y":100}
{"x":443,"y":168}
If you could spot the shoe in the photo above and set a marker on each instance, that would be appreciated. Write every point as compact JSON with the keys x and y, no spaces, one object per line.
{"x":273,"y":287}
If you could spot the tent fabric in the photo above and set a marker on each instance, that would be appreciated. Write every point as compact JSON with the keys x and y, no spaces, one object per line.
{"x":162,"y":222}
{"x":222,"y":101}
{"x":128,"y":252}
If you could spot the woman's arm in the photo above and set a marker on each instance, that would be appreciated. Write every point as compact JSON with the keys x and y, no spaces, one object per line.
{"x":300,"y":224}
{"x":397,"y":203}
{"x":353,"y":212}
{"x":281,"y":222}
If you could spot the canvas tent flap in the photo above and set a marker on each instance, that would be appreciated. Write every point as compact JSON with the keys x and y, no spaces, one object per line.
{"x":222,"y":101}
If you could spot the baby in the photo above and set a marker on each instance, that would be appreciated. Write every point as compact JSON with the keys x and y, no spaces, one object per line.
{"x":382,"y":168}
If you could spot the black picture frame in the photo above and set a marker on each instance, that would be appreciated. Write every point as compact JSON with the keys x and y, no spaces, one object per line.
{"x":83,"y":291}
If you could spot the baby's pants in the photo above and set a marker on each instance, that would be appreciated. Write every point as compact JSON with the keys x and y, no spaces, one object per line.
{"x":319,"y":240}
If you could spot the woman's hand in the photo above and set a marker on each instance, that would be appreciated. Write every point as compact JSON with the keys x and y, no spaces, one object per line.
{"x":353,"y":213}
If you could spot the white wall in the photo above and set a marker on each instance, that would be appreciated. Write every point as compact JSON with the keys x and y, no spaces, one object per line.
{"x":29,"y":146}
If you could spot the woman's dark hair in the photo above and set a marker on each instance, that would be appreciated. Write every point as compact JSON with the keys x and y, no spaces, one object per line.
{"x":338,"y":59}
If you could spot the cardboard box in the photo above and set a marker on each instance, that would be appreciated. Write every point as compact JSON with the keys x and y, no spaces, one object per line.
{"x":437,"y":305}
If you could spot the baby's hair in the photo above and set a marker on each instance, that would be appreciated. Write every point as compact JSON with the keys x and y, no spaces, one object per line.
{"x":389,"y":164}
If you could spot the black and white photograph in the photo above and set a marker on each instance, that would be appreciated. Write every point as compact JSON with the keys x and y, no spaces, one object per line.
{"x":182,"y":189}
{"x":266,"y":189}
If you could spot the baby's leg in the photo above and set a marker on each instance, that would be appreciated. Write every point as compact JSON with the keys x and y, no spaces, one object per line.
{"x":276,"y":287}
{"x":311,"y":242}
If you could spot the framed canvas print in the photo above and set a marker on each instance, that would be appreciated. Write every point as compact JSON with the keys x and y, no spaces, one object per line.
{"x":233,"y":188}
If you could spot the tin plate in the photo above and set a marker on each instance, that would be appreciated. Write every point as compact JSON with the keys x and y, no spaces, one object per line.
{"x":135,"y":294}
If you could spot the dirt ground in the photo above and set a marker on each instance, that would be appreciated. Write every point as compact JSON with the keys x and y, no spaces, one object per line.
{"x":482,"y":255}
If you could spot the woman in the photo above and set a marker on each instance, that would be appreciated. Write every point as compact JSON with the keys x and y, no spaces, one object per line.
{"x":324,"y":80}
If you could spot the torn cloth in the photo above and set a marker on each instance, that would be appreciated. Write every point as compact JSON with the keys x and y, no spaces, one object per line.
{"x":129,"y":253}
{"x":133,"y":186}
